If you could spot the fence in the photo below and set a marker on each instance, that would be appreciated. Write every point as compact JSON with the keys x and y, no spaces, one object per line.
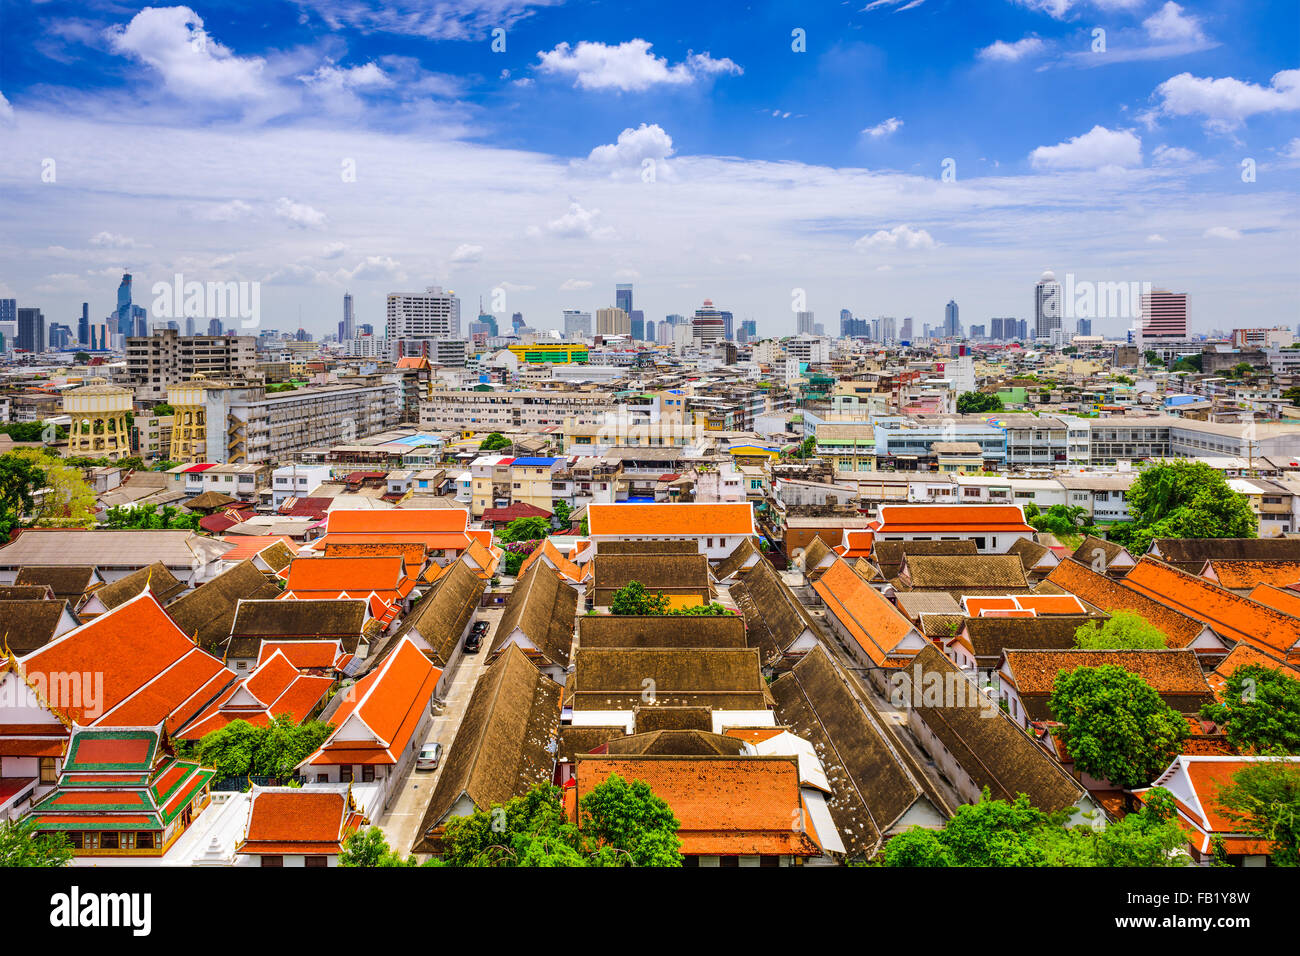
{"x":240,"y":782}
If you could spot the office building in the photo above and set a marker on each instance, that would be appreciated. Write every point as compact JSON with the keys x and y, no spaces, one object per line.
{"x":1047,"y":305}
{"x":1085,"y":327}
{"x":613,"y":321}
{"x":156,"y":362}
{"x":623,"y":297}
{"x":577,"y":325}
{"x":710,"y":325}
{"x":31,"y":330}
{"x":803,"y":323}
{"x":516,"y":322}
{"x":416,"y":320}
{"x":951,"y":320}
{"x":649,"y":330}
{"x":636,"y":324}
{"x":1164,"y":316}
{"x":347,"y":327}
{"x":905,"y":331}
{"x":83,"y":325}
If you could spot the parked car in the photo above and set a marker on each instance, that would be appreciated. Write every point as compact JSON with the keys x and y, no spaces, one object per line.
{"x":429,"y":757}
{"x":480,"y":628}
{"x":473,"y":641}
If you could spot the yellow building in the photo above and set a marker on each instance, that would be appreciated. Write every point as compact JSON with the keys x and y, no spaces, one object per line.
{"x":189,"y":420}
{"x":98,"y":412}
{"x":563,"y":353}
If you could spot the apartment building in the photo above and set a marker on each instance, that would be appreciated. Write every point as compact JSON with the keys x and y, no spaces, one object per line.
{"x":165,"y":358}
{"x":247,"y":425}
{"x":521,"y":410}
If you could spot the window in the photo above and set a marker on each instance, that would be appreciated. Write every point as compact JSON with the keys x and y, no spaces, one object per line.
{"x":729,"y":861}
{"x":144,"y":840}
{"x":108,"y":841}
{"x":315,"y":861}
{"x":345,"y":774}
{"x":368,"y":772}
{"x":77,"y":840}
{"x":273,"y":861}
{"x":322,"y":778}
{"x":47,"y":771}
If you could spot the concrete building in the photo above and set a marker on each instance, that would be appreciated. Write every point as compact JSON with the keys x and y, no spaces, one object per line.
{"x":156,"y":362}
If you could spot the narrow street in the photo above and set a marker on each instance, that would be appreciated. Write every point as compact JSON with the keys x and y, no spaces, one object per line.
{"x":401,"y":823}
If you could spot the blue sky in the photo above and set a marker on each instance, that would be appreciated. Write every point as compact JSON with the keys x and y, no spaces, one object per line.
{"x":209,"y":140}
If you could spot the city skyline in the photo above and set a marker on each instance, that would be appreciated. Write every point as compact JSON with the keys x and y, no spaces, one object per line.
{"x":703,"y":159}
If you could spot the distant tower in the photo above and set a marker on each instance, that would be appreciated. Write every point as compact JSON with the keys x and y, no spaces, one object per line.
{"x":1047,"y":305}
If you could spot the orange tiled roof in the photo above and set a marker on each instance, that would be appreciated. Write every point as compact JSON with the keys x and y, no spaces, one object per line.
{"x":873,"y":622}
{"x":1233,"y":616}
{"x":1169,"y":672}
{"x":1247,"y":574}
{"x":406,"y":521}
{"x":151,"y":670}
{"x":250,"y":545}
{"x":388,"y":703}
{"x":384,"y":575}
{"x":952,"y":519}
{"x":1243,"y":655}
{"x":1285,"y":599}
{"x":1180,"y":627}
{"x":302,"y":654}
{"x":857,"y":543}
{"x":727,"y":806}
{"x":557,"y":560}
{"x":670,"y":519}
{"x":298,"y":821}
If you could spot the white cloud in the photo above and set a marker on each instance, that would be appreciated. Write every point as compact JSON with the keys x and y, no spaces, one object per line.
{"x":633,"y":147}
{"x":900,"y":5}
{"x":1169,"y":24}
{"x":1053,"y":8}
{"x":1227,"y":102}
{"x":6,"y":111}
{"x":111,"y":240}
{"x":628,"y":67}
{"x":1003,"y":52}
{"x":300,"y":214}
{"x":467,"y":253}
{"x":1156,"y":238}
{"x":1172,"y":156}
{"x":1292,"y":149}
{"x":574,"y":285}
{"x":577,"y":223}
{"x":900,"y":237}
{"x":332,"y":250}
{"x":442,"y":20}
{"x":192,"y":64}
{"x":1091,"y":150}
{"x":1222,"y":232}
{"x":884,"y":128}
{"x":329,"y":78}
{"x":226,"y":212}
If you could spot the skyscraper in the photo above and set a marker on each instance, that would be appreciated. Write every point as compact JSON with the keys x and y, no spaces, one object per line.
{"x":1047,"y":305}
{"x":31,"y":330}
{"x":636,"y":323}
{"x":83,"y":325}
{"x":8,"y":310}
{"x":516,"y":322}
{"x":750,"y":328}
{"x":710,"y":325}
{"x":888,"y":329}
{"x":125,"y":317}
{"x":905,"y":331}
{"x":649,"y":330}
{"x":214,"y":327}
{"x":1085,"y":326}
{"x":951,"y":320}
{"x":623,"y":297}
{"x":347,"y":327}
{"x":803,"y":323}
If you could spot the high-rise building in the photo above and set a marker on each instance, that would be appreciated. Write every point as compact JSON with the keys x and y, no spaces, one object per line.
{"x":649,"y":330}
{"x":888,"y":329}
{"x":83,"y":325}
{"x":516,"y":322}
{"x":8,"y":310}
{"x":577,"y":325}
{"x":803,"y":323}
{"x":613,"y":321}
{"x":636,"y":324}
{"x":710,"y":325}
{"x":997,"y":329}
{"x":905,"y":330}
{"x":851,"y":328}
{"x":191,"y":325}
{"x":155,"y":362}
{"x":1164,"y":316}
{"x":664,"y":332}
{"x":750,"y":327}
{"x":416,"y":319}
{"x":31,"y":330}
{"x":347,"y":327}
{"x":215,"y":328}
{"x":951,"y":320}
{"x":623,"y":297}
{"x":59,"y":337}
{"x":1085,"y":326}
{"x":977,"y":331}
{"x":1047,"y":305}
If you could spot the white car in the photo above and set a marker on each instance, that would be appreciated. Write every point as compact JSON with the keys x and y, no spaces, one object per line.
{"x":429,"y":757}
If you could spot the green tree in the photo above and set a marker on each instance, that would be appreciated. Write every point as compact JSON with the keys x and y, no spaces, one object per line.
{"x":1114,"y":725}
{"x":633,"y":598}
{"x":1264,"y":801}
{"x":20,"y":478}
{"x":65,"y":500}
{"x":1151,"y":358}
{"x":1292,"y":395}
{"x":582,"y":526}
{"x":1060,"y":520}
{"x":561,"y":510}
{"x":162,"y":409}
{"x":1186,"y":499}
{"x":1259,"y":710}
{"x":973,"y":403}
{"x":1188,"y":363}
{"x":916,"y":847}
{"x":81,"y":358}
{"x":1241,"y":370}
{"x":1124,"y":631}
{"x":21,"y":846}
{"x":629,"y":826}
{"x":241,"y":749}
{"x":525,"y":529}
{"x":494,"y":442}
{"x":367,"y":847}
